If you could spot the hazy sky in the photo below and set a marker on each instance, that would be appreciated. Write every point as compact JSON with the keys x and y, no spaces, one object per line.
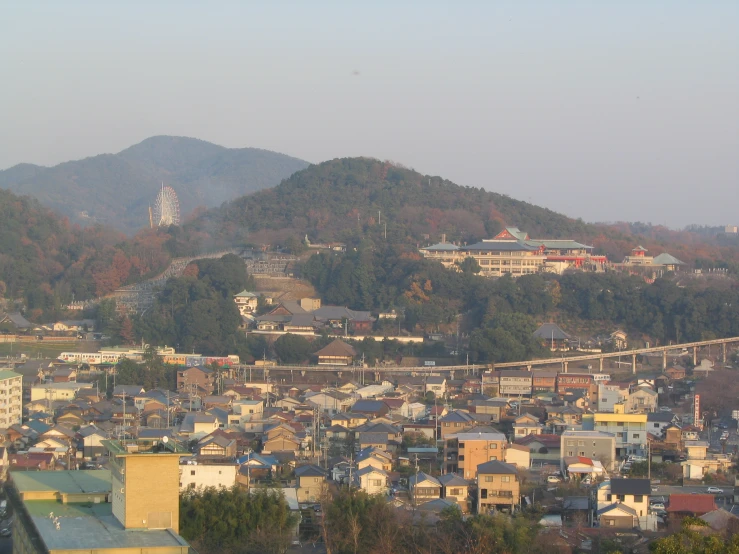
{"x":605,"y":110}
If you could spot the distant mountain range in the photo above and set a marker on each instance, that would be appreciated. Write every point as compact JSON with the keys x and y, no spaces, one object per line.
{"x":117,"y":189}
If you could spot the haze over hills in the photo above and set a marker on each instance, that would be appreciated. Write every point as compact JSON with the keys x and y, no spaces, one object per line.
{"x":351,"y":198}
{"x":116,"y":189}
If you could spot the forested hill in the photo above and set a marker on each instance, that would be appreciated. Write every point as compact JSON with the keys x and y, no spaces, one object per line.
{"x":349,"y":199}
{"x":117,"y":189}
{"x":46,"y":262}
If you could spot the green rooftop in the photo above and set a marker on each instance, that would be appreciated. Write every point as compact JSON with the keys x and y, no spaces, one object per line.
{"x":7,"y":374}
{"x":65,"y":482}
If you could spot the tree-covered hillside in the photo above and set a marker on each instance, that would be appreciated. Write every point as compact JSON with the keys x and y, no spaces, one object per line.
{"x":353,"y":198}
{"x":117,"y":189}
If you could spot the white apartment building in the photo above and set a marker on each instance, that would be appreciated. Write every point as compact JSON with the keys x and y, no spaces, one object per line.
{"x":11,"y":398}
{"x":201,"y":475}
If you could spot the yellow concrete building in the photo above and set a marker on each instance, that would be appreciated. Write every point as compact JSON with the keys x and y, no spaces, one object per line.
{"x":134,"y":507}
{"x":630,"y":430}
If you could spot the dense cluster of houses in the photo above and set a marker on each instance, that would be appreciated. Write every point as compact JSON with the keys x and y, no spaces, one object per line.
{"x":426,"y":442}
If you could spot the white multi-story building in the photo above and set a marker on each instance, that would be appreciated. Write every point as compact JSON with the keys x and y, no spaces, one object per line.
{"x":204,"y":474}
{"x":11,"y":398}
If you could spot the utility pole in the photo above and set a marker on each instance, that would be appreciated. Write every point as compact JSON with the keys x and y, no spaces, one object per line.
{"x":649,"y":459}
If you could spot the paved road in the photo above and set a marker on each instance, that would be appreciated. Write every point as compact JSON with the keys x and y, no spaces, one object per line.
{"x":663,"y":491}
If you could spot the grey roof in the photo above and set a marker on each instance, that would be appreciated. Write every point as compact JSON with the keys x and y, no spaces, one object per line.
{"x":565,"y":244}
{"x":436,"y":505}
{"x":420,"y":477}
{"x":373,"y":438}
{"x":309,"y":470}
{"x":630,"y":486}
{"x":457,"y":416}
{"x":453,"y":480}
{"x":435,"y":380}
{"x":576,"y":503}
{"x":154,"y":433}
{"x":18,"y":321}
{"x":441,"y":247}
{"x":341,"y":312}
{"x":368,"y":406}
{"x":300,"y":320}
{"x":370,"y":469}
{"x":547,"y":331}
{"x":496,"y":467}
{"x":516,"y":373}
{"x":666,"y":259}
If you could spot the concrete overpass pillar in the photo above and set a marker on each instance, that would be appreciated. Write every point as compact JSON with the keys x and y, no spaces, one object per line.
{"x":528,"y":368}
{"x":302,"y":373}
{"x":377,"y":377}
{"x":565,"y":365}
{"x":723,"y":352}
{"x":266,"y":374}
{"x":451,"y":374}
{"x":600,"y":363}
{"x":664,"y":359}
{"x":633,"y":363}
{"x":339,"y":373}
{"x":695,"y":355}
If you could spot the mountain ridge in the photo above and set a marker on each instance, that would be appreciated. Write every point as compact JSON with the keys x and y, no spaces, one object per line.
{"x":116,"y":189}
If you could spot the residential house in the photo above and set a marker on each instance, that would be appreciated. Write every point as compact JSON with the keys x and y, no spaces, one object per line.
{"x":376,"y":458}
{"x":496,"y":409}
{"x":464,"y":451}
{"x":596,"y":445}
{"x":657,"y":422}
{"x":423,"y":487}
{"x":311,"y":481}
{"x":279,"y":438}
{"x":619,"y":339}
{"x":676,"y":372}
{"x":217,"y":445}
{"x":31,"y":461}
{"x":436,"y":385}
{"x":349,"y":420}
{"x":515,"y":383}
{"x":498,"y":487}
{"x":196,"y":425}
{"x":630,"y":430}
{"x":197,"y":378}
{"x":246,"y":302}
{"x":611,"y":394}
{"x":456,"y":489}
{"x":454,"y":422}
{"x":695,"y":505}
{"x":543,"y":447}
{"x":331,"y":402}
{"x":582,"y":466}
{"x":398,"y":407}
{"x":518,"y":455}
{"x":642,"y":400}
{"x":371,"y":480}
{"x":570,"y":415}
{"x":370,"y":408}
{"x":92,"y":441}
{"x":341,"y":318}
{"x":527,"y":424}
{"x":625,"y":493}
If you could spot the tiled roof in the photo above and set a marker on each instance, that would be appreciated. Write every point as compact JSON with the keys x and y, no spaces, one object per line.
{"x":549,"y":331}
{"x":337,"y":348}
{"x":693,"y":503}
{"x":495,"y":467}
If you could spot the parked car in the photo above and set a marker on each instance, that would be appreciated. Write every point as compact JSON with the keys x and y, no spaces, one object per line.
{"x":654,"y":489}
{"x":714,"y":490}
{"x":553,"y":479}
{"x":665,"y":409}
{"x":657,"y":506}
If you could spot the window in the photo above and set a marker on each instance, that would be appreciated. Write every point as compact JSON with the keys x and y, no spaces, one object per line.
{"x":638,"y":498}
{"x":493,"y":458}
{"x":570,"y":443}
{"x":454,"y":492}
{"x":621,"y":497}
{"x":608,"y":497}
{"x":506,"y":479}
{"x":611,"y":522}
{"x":461,"y":445}
{"x":488,"y":478}
{"x":620,"y":424}
{"x":581,"y":453}
{"x":493,"y":445}
{"x":483,"y":493}
{"x":569,"y":453}
{"x":192,"y":472}
{"x":635,"y":436}
{"x":656,"y":424}
{"x":580,"y":443}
